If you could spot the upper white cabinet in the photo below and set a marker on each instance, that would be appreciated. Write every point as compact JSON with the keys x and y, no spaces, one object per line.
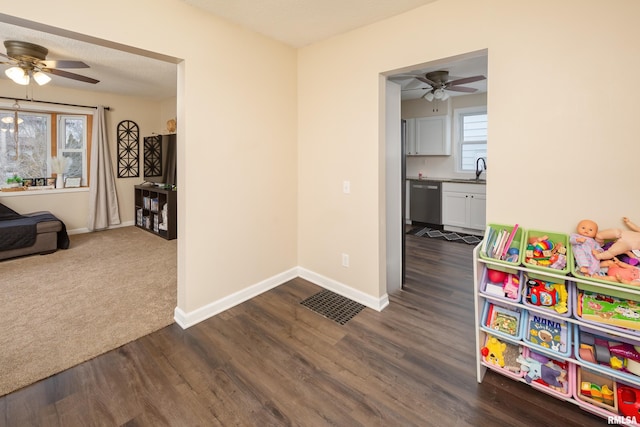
{"x":429,"y":136}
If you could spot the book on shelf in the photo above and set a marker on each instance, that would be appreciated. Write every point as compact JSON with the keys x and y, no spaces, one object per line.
{"x":496,"y":243}
{"x":503,"y":319}
{"x":549,"y":333}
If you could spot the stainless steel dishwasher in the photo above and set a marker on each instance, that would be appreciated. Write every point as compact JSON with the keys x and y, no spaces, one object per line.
{"x":426,"y":202}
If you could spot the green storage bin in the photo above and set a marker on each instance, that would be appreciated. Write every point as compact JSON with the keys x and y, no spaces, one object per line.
{"x":540,"y":255}
{"x":490,"y":240}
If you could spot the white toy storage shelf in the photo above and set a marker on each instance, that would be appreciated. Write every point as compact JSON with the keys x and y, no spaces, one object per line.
{"x":614,"y":382}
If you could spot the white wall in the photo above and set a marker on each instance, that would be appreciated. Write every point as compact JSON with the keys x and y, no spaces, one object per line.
{"x":560,"y":142}
{"x":72,"y":207}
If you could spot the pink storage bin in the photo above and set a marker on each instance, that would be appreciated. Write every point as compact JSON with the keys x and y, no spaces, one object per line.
{"x":596,"y":404}
{"x":502,"y":356}
{"x":511,"y":291}
{"x":551,"y":376}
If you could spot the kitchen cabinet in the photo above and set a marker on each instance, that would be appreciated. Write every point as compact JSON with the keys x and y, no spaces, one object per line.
{"x":432,"y":136}
{"x":464,"y":206}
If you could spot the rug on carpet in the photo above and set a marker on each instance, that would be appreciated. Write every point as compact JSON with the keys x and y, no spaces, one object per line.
{"x":450,"y":236}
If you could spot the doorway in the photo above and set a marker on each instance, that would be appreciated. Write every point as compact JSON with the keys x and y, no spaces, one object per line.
{"x":416,"y":98}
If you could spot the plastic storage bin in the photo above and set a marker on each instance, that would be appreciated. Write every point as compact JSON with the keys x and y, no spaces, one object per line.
{"x":595,"y":390}
{"x":620,"y":314}
{"x":555,"y":377}
{"x":613,"y":354}
{"x":548,"y":294}
{"x":503,"y":320}
{"x":502,"y":356}
{"x":547,"y":251}
{"x":513,"y":240}
{"x":501,"y":282}
{"x":548,"y":334}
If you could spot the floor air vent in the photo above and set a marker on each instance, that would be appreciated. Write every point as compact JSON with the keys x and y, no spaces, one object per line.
{"x":333,"y":306}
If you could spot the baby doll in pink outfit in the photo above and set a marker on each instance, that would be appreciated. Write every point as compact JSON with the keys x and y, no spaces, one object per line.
{"x":625,"y":240}
{"x":584,"y":245}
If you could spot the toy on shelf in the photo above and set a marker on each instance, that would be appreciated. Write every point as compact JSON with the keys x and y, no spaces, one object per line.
{"x":545,"y":371}
{"x":502,"y":284}
{"x":584,"y":246}
{"x":599,"y":308}
{"x":596,"y":389}
{"x":628,"y":400}
{"x":542,"y":251}
{"x":624,"y":240}
{"x":609,"y":352}
{"x":502,"y":355}
{"x":621,"y":272}
{"x":547,"y":294}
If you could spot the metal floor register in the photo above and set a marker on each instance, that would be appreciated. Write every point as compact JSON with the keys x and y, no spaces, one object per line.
{"x":333,"y":306}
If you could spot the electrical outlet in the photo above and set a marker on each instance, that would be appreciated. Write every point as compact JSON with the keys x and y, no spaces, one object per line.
{"x":345,"y":260}
{"x":346,"y":187}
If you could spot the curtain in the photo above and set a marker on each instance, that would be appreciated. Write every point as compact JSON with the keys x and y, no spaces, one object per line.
{"x":103,"y":200}
{"x":169,"y":176}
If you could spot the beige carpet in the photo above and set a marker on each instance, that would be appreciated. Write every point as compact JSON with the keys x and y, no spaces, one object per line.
{"x":58,"y":310}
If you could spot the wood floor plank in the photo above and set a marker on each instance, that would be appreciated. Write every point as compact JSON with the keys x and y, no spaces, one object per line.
{"x":273,"y":362}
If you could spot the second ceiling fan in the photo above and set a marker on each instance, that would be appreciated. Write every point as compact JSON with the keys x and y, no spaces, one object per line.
{"x":439,"y":83}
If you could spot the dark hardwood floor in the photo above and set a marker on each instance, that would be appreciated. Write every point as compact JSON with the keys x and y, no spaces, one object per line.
{"x":273,"y":362}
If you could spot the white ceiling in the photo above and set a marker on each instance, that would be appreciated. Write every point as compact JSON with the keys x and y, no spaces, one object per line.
{"x":302,"y":22}
{"x":294,"y":22}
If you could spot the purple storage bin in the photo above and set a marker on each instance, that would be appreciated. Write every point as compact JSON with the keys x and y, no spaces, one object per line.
{"x":567,"y":287}
{"x":510,"y":292}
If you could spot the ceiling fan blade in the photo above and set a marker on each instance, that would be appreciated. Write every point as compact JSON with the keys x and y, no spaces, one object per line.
{"x":427,"y":81}
{"x":461,"y":89}
{"x":5,"y":56}
{"x":64,"y":64}
{"x":69,"y":75}
{"x":466,"y":80}
{"x":417,"y":88}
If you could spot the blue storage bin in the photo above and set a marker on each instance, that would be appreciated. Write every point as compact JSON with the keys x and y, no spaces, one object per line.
{"x":503,"y":320}
{"x":549,"y":334}
{"x":608,"y":352}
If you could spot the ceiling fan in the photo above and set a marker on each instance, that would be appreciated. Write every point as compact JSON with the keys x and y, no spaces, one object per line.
{"x":28,"y":61}
{"x":439,"y":82}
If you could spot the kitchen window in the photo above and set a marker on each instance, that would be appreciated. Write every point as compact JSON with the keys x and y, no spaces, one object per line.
{"x":471,"y":136}
{"x":28,"y":139}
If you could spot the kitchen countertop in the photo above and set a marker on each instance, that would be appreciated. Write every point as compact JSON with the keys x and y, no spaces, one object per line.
{"x":461,"y":180}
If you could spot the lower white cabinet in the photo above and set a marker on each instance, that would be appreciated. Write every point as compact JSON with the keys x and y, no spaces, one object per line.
{"x":464,"y":206}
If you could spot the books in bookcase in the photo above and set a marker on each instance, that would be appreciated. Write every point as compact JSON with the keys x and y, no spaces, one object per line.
{"x":548,"y":333}
{"x":503,"y":319}
{"x":498,"y":241}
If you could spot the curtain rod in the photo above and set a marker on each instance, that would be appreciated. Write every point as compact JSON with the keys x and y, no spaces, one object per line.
{"x":49,"y":102}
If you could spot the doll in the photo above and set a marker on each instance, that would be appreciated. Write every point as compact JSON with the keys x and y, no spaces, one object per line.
{"x":619,"y":271}
{"x":584,"y":246}
{"x":625,"y":240}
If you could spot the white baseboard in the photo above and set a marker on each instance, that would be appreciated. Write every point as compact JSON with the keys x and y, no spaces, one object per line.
{"x":377,"y":304}
{"x":86,"y":230}
{"x":186,"y":320}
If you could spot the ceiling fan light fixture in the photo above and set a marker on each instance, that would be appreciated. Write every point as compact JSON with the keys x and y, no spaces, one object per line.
{"x":18,"y":75}
{"x":41,"y":78}
{"x":428,"y":96}
{"x":438,"y":94}
{"x":445,"y":96}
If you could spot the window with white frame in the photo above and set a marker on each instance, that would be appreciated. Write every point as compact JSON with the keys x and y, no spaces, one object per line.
{"x":471,"y":136}
{"x":28,"y":140}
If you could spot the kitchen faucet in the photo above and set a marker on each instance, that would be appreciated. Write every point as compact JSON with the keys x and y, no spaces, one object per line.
{"x":478,"y":170}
